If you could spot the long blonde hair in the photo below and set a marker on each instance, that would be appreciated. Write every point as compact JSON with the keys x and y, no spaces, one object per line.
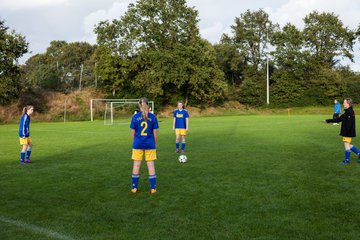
{"x":144,"y":107}
{"x":25,"y":109}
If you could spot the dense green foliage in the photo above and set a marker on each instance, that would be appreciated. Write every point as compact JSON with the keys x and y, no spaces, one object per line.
{"x":63,"y":67}
{"x":155,"y":49}
{"x":12,"y":46}
{"x":304,"y":65}
{"x":287,"y":185}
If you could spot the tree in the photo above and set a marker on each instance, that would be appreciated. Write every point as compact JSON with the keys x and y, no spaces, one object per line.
{"x":290,"y":61}
{"x":288,"y":47}
{"x":32,"y":72}
{"x":59,"y":68}
{"x":352,"y":80}
{"x":327,"y":38}
{"x":76,"y":60}
{"x":251,"y":33}
{"x":230,"y":61}
{"x":12,"y":46}
{"x":156,"y":49}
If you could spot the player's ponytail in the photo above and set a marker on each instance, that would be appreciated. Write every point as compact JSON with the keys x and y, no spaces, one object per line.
{"x":25,"y":109}
{"x":144,"y":107}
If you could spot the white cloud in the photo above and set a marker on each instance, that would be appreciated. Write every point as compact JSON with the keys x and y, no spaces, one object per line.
{"x":295,"y":10}
{"x":89,"y":22}
{"x":28,"y":4}
{"x":211,"y":33}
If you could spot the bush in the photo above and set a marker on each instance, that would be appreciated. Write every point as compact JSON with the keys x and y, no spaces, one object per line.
{"x":35,"y":98}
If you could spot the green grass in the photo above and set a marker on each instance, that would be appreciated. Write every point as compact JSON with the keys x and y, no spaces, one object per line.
{"x":248,"y":177}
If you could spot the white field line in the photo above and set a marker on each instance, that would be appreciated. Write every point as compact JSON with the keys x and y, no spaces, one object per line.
{"x":37,"y":229}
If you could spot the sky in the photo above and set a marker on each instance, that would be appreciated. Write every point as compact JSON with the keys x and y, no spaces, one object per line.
{"x":42,"y":21}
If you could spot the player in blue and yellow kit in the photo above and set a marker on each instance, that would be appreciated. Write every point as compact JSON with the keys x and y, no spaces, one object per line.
{"x":144,"y":126}
{"x":181,"y":126}
{"x":24,"y":135}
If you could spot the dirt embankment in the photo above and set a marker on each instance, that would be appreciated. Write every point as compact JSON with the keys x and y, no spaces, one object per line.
{"x":75,"y":106}
{"x":53,"y":107}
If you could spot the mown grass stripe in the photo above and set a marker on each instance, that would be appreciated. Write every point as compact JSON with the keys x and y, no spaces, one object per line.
{"x":34,"y":228}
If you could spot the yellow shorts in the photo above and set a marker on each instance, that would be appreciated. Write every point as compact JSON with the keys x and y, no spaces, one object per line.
{"x":137,"y":155}
{"x":180,"y":131}
{"x":347,"y":139}
{"x":25,"y":141}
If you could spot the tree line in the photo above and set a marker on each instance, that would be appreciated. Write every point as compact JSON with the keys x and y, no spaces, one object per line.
{"x":155,"y":50}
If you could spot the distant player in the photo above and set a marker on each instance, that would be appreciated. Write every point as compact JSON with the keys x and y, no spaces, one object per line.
{"x":181,"y":126}
{"x":24,"y":135}
{"x":337,"y":110}
{"x":347,"y":129}
{"x":144,"y":127}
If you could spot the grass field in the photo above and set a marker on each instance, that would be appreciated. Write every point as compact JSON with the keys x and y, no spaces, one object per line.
{"x":248,"y":177}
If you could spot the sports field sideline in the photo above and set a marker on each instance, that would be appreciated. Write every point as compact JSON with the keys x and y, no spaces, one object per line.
{"x":247,"y":177}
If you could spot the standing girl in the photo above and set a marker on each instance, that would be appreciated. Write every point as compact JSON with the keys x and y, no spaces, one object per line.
{"x":337,"y":110}
{"x":24,"y":135}
{"x":347,"y":129}
{"x":144,"y":126}
{"x":181,"y":126}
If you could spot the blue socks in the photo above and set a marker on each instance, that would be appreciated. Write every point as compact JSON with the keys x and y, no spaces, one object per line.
{"x":183,"y":145}
{"x":135,"y":180}
{"x":355,"y":150}
{"x":22,"y":157}
{"x":347,"y":155}
{"x":152,"y":180}
{"x":177,"y":145}
{"x":28,"y":153}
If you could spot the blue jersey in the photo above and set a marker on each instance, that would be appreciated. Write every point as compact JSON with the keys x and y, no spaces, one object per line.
{"x":24,"y":127}
{"x":144,"y":131}
{"x":337,"y":108}
{"x":180,"y":118}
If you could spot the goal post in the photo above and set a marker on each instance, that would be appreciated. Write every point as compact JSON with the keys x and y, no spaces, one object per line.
{"x":107,"y":105}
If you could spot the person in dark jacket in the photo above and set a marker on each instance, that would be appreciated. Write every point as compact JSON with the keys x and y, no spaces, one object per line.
{"x":347,"y":131}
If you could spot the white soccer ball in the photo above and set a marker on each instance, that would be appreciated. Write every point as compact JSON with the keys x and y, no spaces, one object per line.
{"x":182,"y":159}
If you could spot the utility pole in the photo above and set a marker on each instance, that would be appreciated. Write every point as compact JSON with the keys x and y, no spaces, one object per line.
{"x":95,"y":76}
{"x":39,"y":80}
{"x":267,"y":25}
{"x":81,"y":73}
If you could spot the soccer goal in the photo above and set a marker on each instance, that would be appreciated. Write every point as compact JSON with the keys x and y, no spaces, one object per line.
{"x":114,"y":111}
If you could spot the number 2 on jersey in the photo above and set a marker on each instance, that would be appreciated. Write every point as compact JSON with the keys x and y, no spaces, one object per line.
{"x":145,"y":125}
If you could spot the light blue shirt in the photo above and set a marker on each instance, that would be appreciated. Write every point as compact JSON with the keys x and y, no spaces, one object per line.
{"x":337,"y":108}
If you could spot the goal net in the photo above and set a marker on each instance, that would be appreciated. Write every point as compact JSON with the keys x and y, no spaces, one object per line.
{"x":114,"y":111}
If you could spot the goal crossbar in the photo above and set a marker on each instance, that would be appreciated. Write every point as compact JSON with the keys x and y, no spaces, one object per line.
{"x":106,"y":100}
{"x":121,"y":102}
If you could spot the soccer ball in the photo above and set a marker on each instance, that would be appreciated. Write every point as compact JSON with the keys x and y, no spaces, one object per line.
{"x":182,"y":159}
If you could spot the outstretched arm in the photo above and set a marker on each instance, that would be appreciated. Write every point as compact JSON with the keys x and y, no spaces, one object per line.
{"x":340,"y":119}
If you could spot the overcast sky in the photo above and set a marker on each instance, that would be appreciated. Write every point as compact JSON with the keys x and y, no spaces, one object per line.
{"x":42,"y":21}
